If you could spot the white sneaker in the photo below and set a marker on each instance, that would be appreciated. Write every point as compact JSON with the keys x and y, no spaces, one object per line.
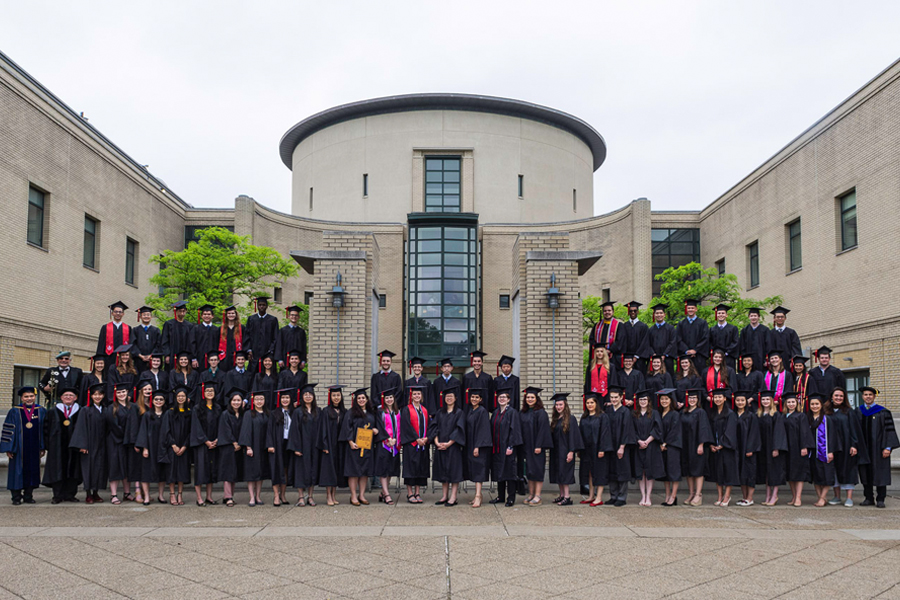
{"x":743,"y":503}
{"x":849,"y":502}
{"x":834,"y":501}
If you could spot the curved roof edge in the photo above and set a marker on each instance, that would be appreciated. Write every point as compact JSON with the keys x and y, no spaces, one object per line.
{"x":442,"y":101}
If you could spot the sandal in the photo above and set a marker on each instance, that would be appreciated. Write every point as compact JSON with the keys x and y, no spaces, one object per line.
{"x":200,"y":504}
{"x":418,"y":499}
{"x":173,"y":500}
{"x":411,"y":499}
{"x":180,"y":500}
{"x":160,"y":500}
{"x":211,"y":502}
{"x":310,"y":501}
{"x":128,"y":497}
{"x":300,"y":502}
{"x":115,"y":500}
{"x":229,"y":502}
{"x":388,"y":500}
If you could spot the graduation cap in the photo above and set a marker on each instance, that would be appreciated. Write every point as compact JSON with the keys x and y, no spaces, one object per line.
{"x":122,"y":385}
{"x":334,"y":388}
{"x":182,"y":388}
{"x":30,"y":389}
{"x":291,"y":353}
{"x":97,"y":387}
{"x":259,"y":368}
{"x":142,"y":310}
{"x":816,"y":396}
{"x":157,"y":354}
{"x":868,"y":388}
{"x":634,"y":304}
{"x":183,"y":353}
{"x":415,"y":360}
{"x":533,"y":390}
{"x":160,"y":394}
{"x":648,"y":394}
{"x":822,"y":350}
{"x":453,"y":389}
{"x":689,"y":302}
{"x":615,"y":388}
{"x":441,"y":363}
{"x":799,"y":359}
{"x":722,"y":306}
{"x":118,"y":304}
{"x":256,"y":393}
{"x":414,"y":388}
{"x":693,"y":393}
{"x":779,"y":309}
{"x":476,"y":391}
{"x":236,"y":391}
{"x":243,"y":354}
{"x":144,"y":382}
{"x":589,"y":396}
{"x":559,"y":397}
{"x":721,"y":392}
{"x":754,"y":309}
{"x":608,"y":303}
{"x":660,"y":306}
{"x":504,"y":360}
{"x":292,"y":308}
{"x":667,"y":392}
{"x":204,"y":308}
{"x":363,"y":391}
{"x":392,"y":393}
{"x":476,"y":354}
{"x":123,"y":348}
{"x":63,"y":390}
{"x":283,"y":392}
{"x":386,"y":354}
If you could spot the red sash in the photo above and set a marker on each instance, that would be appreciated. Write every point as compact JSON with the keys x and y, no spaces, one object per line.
{"x":611,"y":336}
{"x":110,"y":332}
{"x":600,"y":380}
{"x":713,"y":382}
{"x":414,"y":420}
{"x":801,"y":386}
{"x":223,"y":341}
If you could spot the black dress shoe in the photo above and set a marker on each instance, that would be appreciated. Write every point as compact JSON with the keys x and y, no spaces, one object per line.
{"x":867,"y":502}
{"x":56,"y":501}
{"x":72,"y":499}
{"x":565,"y":502}
{"x":510,"y":502}
{"x":16,"y":502}
{"x":439,"y":502}
{"x":496,"y":501}
{"x":619,"y":503}
{"x":879,"y":504}
{"x":33,"y":501}
{"x":451,"y":503}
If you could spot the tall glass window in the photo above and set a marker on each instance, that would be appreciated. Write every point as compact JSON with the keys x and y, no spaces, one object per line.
{"x":673,"y":248}
{"x":442,"y":282}
{"x":131,"y":249}
{"x":848,"y":220}
{"x":35,"y":217}
{"x":753,"y":257}
{"x":90,"y":243}
{"x":442,"y":181}
{"x":796,"y":251}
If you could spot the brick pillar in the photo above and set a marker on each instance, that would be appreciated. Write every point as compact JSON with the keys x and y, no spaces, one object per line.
{"x":244,"y":215}
{"x":641,"y":250}
{"x":7,"y":363}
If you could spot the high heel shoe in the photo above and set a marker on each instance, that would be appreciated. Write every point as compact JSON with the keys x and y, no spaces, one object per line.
{"x":454,"y":503}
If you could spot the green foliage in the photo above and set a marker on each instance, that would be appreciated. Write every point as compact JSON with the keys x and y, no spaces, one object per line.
{"x":682,"y":283}
{"x":213,"y":270}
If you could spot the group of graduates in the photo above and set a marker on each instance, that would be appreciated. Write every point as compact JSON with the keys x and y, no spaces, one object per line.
{"x":148,"y":413}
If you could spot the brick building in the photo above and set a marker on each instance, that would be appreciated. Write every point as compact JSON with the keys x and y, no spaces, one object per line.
{"x":446,"y":216}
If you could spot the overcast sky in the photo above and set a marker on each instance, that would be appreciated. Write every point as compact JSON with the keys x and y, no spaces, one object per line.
{"x":690,"y":96}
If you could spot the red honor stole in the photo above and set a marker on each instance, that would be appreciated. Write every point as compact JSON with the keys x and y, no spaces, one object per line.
{"x":414,"y":420}
{"x":713,"y":382}
{"x":610,"y":336}
{"x":238,"y":341}
{"x":110,"y":332}
{"x":600,"y":380}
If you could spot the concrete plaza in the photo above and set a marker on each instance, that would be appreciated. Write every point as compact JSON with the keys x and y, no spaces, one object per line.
{"x":428,"y":552}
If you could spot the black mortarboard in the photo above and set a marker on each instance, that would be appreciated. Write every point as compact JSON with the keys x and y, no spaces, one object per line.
{"x":386,"y":354}
{"x":648,"y":393}
{"x":560,"y":396}
{"x":243,"y":353}
{"x":788,"y":395}
{"x":391,"y":393}
{"x":285,"y":392}
{"x":293,"y":353}
{"x":118,"y":304}
{"x":816,"y":396}
{"x":660,"y":306}
{"x":292,"y":308}
{"x":415,"y":388}
{"x":609,"y":303}
{"x":868,"y":388}
{"x":160,"y":394}
{"x":476,"y":391}
{"x":615,"y":388}
{"x":533,"y":390}
{"x":98,"y":357}
{"x":212,"y":353}
{"x":754,"y":309}
{"x":690,"y":302}
{"x":799,"y":358}
{"x":415,"y":360}
{"x":261,"y":297}
{"x":232,"y":307}
{"x":97,"y":387}
{"x":453,"y":389}
{"x":183,"y":353}
{"x":123,"y":385}
{"x":30,"y":389}
{"x":745,"y":393}
{"x":206,"y":307}
{"x":506,"y":360}
{"x":181,"y":388}
{"x":123,"y":348}
{"x":256,"y":393}
{"x":335,"y":388}
{"x":180,"y":304}
{"x":666,"y":392}
{"x":694,"y":392}
{"x":723,"y":391}
{"x":210,"y":384}
{"x":766,"y":394}
{"x":360,"y":391}
{"x":504,"y":390}
{"x":236,"y":390}
{"x":722,"y":306}
{"x":634,"y":304}
{"x":823,"y":350}
{"x":477,"y":354}
{"x":144,"y":309}
{"x":157,"y":355}
{"x":446,"y":361}
{"x":779,"y":309}
{"x":311,"y":387}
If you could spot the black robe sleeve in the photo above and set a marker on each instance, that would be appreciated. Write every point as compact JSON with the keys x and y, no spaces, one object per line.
{"x":164,"y":450}
{"x":198,"y":435}
{"x":752,"y":441}
{"x":603,"y":443}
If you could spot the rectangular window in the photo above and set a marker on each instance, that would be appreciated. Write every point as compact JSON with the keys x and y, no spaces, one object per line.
{"x":795,"y":251}
{"x":856,"y":380}
{"x":521,"y":186}
{"x":131,"y":252}
{"x":574,"y":200}
{"x":382,"y":300}
{"x":365,"y":185}
{"x":310,"y":199}
{"x":442,"y":184}
{"x":276,"y":295}
{"x":672,"y":248}
{"x":847,"y":206}
{"x":36,"y":200}
{"x":307,"y":298}
{"x":605,"y":294}
{"x":753,"y":258}
{"x":90,"y":243}
{"x":504,"y":300}
{"x":720,"y":267}
{"x":25,"y":376}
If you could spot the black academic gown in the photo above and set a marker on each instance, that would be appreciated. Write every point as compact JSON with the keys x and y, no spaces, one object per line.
{"x":753,"y":382}
{"x":694,"y":336}
{"x":226,"y":362}
{"x":770,"y":383}
{"x":358,"y":463}
{"x":276,"y":440}
{"x":728,"y":339}
{"x":785,"y":342}
{"x":175,"y":430}
{"x":191,"y":381}
{"x":381,"y":382}
{"x":723,"y":467}
{"x":331,"y":466}
{"x":753,"y":343}
{"x":447,"y":466}
{"x":621,"y":429}
{"x":648,"y":461}
{"x":117,"y":454}
{"x":159,"y":380}
{"x":635,"y":341}
{"x":415,"y":457}
{"x":562,"y":472}
{"x":600,"y":336}
{"x":259,"y":335}
{"x":799,"y":437}
{"x":596,"y":438}
{"x":288,"y":339}
{"x":90,"y":434}
{"x":387,"y":458}
{"x":134,"y":460}
{"x":89,"y":380}
{"x":748,"y":441}
{"x":438,"y":386}
{"x":848,"y":427}
{"x":237,"y":379}
{"x":205,"y":428}
{"x":231,"y":460}
{"x":663,"y":343}
{"x":265,"y":382}
{"x":115,"y":378}
{"x":632,"y":382}
{"x":152,"y":470}
{"x":287,"y":379}
{"x":118,"y":339}
{"x":660,"y":381}
{"x":486,"y":383}
{"x":506,"y":433}
{"x":206,"y":339}
{"x":879,"y":433}
{"x":772,"y":436}
{"x":303,"y":438}
{"x":427,"y":392}
{"x":218,"y":378}
{"x":695,"y":430}
{"x":512,"y":382}
{"x":176,"y":337}
{"x":683,"y":385}
{"x":254,"y":426}
{"x":821,"y":471}
{"x":824,"y":383}
{"x":62,"y":462}
{"x":478,"y":436}
{"x":535,"y":434}
{"x":672,"y":435}
{"x":712,"y":380}
{"x":146,"y":341}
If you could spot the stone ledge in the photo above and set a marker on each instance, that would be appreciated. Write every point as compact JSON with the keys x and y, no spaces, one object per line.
{"x":584,"y":258}
{"x":307,"y":258}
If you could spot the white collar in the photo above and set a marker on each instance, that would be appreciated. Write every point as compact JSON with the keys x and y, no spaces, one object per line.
{"x":119,"y":324}
{"x":632,"y":321}
{"x":62,"y":408}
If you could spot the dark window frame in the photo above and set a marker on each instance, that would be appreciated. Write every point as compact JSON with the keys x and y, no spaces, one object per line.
{"x":844,"y":219}
{"x":365,"y":184}
{"x":35,"y":226}
{"x":753,"y":263}
{"x":794,"y":232}
{"x":720,"y":267}
{"x":89,"y":260}
{"x":521,"y":185}
{"x":431,"y":198}
{"x":131,"y":260}
{"x":504,"y":301}
{"x":672,"y":248}
{"x":307,"y":298}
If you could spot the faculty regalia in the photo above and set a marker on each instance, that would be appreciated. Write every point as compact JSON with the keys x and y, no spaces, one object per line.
{"x":177,"y":336}
{"x":535,"y":434}
{"x":485,"y":383}
{"x":820,"y":470}
{"x":413,"y":426}
{"x":621,"y":429}
{"x":303,"y":437}
{"x":753,"y":343}
{"x":722,"y":467}
{"x":331,"y":466}
{"x":231,"y":460}
{"x":62,"y":469}
{"x":772,"y":436}
{"x":506,"y":432}
{"x":438,"y":386}
{"x":205,"y":428}
{"x":358,"y":463}
{"x":90,"y":434}
{"x":426,"y":388}
{"x":825,"y":382}
{"x":253,"y":436}
{"x":501,"y":382}
{"x":147,"y":340}
{"x":175,"y":430}
{"x":672,"y":436}
{"x":663,"y":343}
{"x":561,"y":471}
{"x":648,"y":461}
{"x":478,"y":435}
{"x":879,"y":433}
{"x":25,"y":444}
{"x":447,"y":465}
{"x":786,"y":342}
{"x":848,"y":427}
{"x":596,"y":438}
{"x":799,"y":437}
{"x":748,"y":441}
{"x":387,"y":458}
{"x":116,"y":452}
{"x":727,"y":338}
{"x":152,"y":469}
{"x":290,"y":338}
{"x":695,"y":430}
{"x":259,"y":337}
{"x":277,"y":436}
{"x":694,"y":336}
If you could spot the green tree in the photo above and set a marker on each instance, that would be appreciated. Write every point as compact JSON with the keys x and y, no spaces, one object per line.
{"x":690,"y":281}
{"x":214,"y":269}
